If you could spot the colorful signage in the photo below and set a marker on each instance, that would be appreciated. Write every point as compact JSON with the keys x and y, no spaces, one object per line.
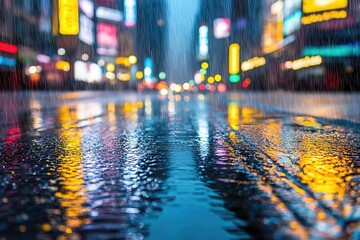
{"x":86,"y":33}
{"x":304,"y":62}
{"x":87,"y":72}
{"x":5,"y":47}
{"x":292,"y":23}
{"x":109,"y":14}
{"x":203,"y":42}
{"x":234,"y":58}
{"x":9,"y":62}
{"x":253,"y":63}
{"x":130,"y":16}
{"x":234,"y":63}
{"x":311,"y":6}
{"x":324,"y":16}
{"x":87,"y":7}
{"x":292,"y":16}
{"x":107,"y":39}
{"x":222,"y":28}
{"x":148,"y":69}
{"x":68,"y":17}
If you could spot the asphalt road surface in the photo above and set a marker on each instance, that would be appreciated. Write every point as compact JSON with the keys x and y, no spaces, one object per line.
{"x":110,"y":165}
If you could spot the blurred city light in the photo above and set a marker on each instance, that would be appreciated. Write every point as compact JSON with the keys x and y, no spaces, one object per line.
{"x":42,"y":58}
{"x":303,"y":62}
{"x":61,"y":51}
{"x":9,"y":48}
{"x":63,"y":65}
{"x":162,"y":75}
{"x":110,"y":75}
{"x":234,"y":78}
{"x":109,"y":14}
{"x":333,"y":50}
{"x":222,"y":28}
{"x":164,"y":91}
{"x":123,"y":61}
{"x":246,"y":83}
{"x":203,"y":42}
{"x":234,"y":58}
{"x":325,"y":16}
{"x":68,"y":17}
{"x":130,"y":16}
{"x":204,"y":65}
{"x":110,"y":67}
{"x":139,"y":75}
{"x":132,"y":59}
{"x":218,"y":77}
{"x":101,"y":63}
{"x":211,"y":80}
{"x":221,"y":87}
{"x":252,"y":63}
{"x":85,"y":57}
{"x":310,"y":6}
{"x":186,"y":86}
{"x":123,"y":76}
{"x":203,"y":71}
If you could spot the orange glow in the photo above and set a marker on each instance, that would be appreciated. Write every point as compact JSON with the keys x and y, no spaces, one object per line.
{"x":123,"y":61}
{"x":62,"y":65}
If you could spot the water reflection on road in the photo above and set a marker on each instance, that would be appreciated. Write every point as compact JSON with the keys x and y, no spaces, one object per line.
{"x":183,"y":167}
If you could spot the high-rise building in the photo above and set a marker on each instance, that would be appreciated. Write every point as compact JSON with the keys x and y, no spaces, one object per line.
{"x":151,"y":29}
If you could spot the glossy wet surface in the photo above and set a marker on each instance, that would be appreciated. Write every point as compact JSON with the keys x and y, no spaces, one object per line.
{"x":111,"y":166}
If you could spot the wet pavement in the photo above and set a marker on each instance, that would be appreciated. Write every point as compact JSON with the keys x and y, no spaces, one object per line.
{"x":107,"y":165}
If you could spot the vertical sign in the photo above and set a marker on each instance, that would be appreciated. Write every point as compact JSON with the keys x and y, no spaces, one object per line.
{"x":203,"y":42}
{"x":130,"y":13}
{"x":234,"y":63}
{"x":68,"y":17}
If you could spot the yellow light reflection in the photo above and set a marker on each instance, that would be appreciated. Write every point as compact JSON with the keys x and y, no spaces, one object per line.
{"x":111,"y":109}
{"x":322,"y":171}
{"x":234,"y":116}
{"x":72,"y":194}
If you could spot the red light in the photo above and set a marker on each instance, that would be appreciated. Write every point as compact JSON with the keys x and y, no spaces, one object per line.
{"x":202,"y":87}
{"x":221,"y":87}
{"x":8,"y":48}
{"x":246,"y":83}
{"x":212,"y":88}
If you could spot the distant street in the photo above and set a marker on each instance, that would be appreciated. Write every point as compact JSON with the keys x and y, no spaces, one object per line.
{"x":115,"y":165}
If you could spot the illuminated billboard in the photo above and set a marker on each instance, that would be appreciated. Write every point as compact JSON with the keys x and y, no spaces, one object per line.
{"x":222,"y":28}
{"x":87,"y":72}
{"x":148,"y":69}
{"x":109,"y":14}
{"x":87,"y":7}
{"x":130,"y":16}
{"x":292,"y":23}
{"x":311,"y":6}
{"x":107,"y":38}
{"x":203,"y":42}
{"x":86,"y":33}
{"x":68,"y":17}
